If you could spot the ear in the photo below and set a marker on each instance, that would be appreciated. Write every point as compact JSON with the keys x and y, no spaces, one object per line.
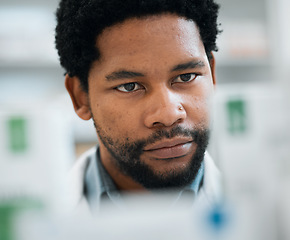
{"x":79,"y":97}
{"x":212,"y":67}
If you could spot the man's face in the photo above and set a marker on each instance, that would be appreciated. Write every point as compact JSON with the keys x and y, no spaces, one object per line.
{"x":149,"y":98}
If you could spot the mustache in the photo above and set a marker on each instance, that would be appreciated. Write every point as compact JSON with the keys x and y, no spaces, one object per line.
{"x":165,"y":134}
{"x":177,"y":131}
{"x":135,"y":149}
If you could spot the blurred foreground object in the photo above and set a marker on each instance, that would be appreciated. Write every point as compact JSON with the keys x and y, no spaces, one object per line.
{"x":35,"y":151}
{"x":253,"y":142}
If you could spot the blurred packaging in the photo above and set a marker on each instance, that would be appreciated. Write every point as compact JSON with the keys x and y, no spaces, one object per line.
{"x":35,"y":152}
{"x":253,"y":141}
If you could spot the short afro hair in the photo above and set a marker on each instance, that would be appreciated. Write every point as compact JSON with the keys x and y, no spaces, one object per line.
{"x":80,"y":22}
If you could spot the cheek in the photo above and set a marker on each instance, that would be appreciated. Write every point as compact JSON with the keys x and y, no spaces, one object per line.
{"x":107,"y":118}
{"x":116,"y":120}
{"x":198,"y":108}
{"x":198,"y":105}
{"x":104,"y":114}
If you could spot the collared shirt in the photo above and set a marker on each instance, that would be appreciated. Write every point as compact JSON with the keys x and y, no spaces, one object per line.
{"x":99,"y":186}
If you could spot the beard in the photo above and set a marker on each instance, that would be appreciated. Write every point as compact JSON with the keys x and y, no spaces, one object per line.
{"x":127,"y":157}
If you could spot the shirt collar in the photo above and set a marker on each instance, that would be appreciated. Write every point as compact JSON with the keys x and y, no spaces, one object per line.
{"x":98,"y":183}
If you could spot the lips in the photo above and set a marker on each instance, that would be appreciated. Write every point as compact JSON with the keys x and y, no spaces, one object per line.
{"x":171,"y":148}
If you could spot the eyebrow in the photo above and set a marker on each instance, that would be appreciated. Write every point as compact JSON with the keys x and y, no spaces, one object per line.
{"x":123,"y":75}
{"x":188,"y":65}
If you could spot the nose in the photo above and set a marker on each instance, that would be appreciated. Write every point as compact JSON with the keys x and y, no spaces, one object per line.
{"x":164,"y":109}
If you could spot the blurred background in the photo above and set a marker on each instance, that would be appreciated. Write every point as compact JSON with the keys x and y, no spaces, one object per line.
{"x":251,"y":137}
{"x":253,"y":49}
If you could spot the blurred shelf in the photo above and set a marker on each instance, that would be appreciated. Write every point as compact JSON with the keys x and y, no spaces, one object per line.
{"x":243,"y":62}
{"x":30,"y":65}
{"x":17,"y":3}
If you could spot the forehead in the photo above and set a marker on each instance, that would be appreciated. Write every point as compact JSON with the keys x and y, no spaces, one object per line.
{"x":150,"y":34}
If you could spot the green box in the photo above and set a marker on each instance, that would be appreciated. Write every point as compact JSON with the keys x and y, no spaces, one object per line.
{"x":17,"y":134}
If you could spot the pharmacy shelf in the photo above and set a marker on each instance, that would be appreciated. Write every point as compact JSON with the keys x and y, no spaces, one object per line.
{"x":17,"y":3}
{"x":248,"y":62}
{"x":44,"y":65}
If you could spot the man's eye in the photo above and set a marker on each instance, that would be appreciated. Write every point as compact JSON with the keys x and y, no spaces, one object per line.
{"x":128,"y":87}
{"x":186,"y":77}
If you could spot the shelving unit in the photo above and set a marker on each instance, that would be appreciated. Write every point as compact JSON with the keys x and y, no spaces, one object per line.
{"x":246,"y":53}
{"x":27,"y":50}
